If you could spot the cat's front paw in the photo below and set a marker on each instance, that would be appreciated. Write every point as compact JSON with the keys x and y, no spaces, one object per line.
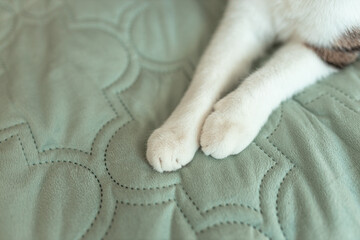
{"x":224,"y":135}
{"x":169,"y":149}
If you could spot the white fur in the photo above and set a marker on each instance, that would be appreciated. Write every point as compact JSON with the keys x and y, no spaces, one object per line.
{"x":248,"y":27}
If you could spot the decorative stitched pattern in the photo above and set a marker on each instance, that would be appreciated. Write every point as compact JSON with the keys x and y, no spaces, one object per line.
{"x":87,"y":82}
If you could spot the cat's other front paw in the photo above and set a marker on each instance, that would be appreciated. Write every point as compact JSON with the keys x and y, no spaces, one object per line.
{"x":169,"y":149}
{"x":224,"y":135}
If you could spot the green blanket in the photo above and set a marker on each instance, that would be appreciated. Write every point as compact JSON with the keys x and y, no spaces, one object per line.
{"x":83,"y":83}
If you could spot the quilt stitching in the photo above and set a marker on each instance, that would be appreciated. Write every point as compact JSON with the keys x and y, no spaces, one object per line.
{"x":97,"y":179}
{"x":234,"y":223}
{"x":112,"y":220}
{"x":21,"y":145}
{"x":23,"y":150}
{"x":334,"y":98}
{"x":341,"y":92}
{"x":168,"y":186}
{"x":97,"y":134}
{"x":344,"y":104}
{"x":58,"y":161}
{"x":125,"y":107}
{"x":6,"y":139}
{"x":315,"y":99}
{"x":190,"y":199}
{"x":242,"y":205}
{"x":277,"y":201}
{"x":35,"y":143}
{"x":230,"y":205}
{"x":147,"y":204}
{"x":110,"y":104}
{"x":157,"y":188}
{"x":102,"y":90}
{"x":185,"y":217}
{"x":188,"y":217}
{"x":140,"y":10}
{"x":292,"y":167}
{"x":108,"y":145}
{"x":293,"y":164}
{"x":222,"y":205}
{"x":266,"y":173}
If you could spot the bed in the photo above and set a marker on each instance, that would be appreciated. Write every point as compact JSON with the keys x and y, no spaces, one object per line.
{"x":83,"y":83}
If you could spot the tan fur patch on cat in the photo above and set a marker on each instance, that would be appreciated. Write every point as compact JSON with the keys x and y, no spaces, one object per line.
{"x":345,"y":51}
{"x":350,"y":41}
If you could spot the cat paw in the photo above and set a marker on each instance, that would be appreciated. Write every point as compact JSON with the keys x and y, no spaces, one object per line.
{"x":223,"y":135}
{"x":169,"y":149}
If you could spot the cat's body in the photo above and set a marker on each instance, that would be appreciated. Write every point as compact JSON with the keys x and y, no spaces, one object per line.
{"x":317,"y":36}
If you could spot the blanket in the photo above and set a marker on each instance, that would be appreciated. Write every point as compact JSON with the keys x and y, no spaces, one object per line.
{"x":83,"y":83}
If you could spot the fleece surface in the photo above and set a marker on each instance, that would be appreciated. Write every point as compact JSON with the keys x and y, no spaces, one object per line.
{"x":82,"y":85}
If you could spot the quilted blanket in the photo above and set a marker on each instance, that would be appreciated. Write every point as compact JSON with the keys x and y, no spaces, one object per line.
{"x":82,"y":85}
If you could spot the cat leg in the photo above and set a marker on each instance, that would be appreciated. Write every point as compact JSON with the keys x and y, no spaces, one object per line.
{"x":238,"y":117}
{"x":240,"y":38}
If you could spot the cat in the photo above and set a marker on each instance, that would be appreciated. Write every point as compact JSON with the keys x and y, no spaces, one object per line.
{"x":318,"y":38}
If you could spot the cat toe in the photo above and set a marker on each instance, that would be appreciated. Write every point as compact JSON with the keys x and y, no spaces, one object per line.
{"x":168,"y":150}
{"x":221,"y":138}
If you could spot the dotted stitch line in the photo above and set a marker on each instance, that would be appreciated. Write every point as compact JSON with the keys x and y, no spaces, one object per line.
{"x":188,"y":196}
{"x":268,"y":138}
{"x":32,"y":135}
{"x":278,"y":124}
{"x":333,"y":97}
{"x":230,"y":205}
{"x":146,"y":204}
{"x":233,"y":223}
{"x":277,"y":201}
{"x":342,"y":92}
{"x":108,"y":101}
{"x":22,"y":147}
{"x":60,"y":148}
{"x":149,"y":188}
{"x":6,"y":139}
{"x":97,"y":179}
{"x":315,"y":99}
{"x":125,"y":107}
{"x":185,"y":217}
{"x":35,"y":143}
{"x":56,"y":148}
{"x":239,"y":222}
{"x":18,"y":124}
{"x":293,"y":166}
{"x":262,"y":179}
{"x":97,"y":134}
{"x":73,"y":149}
{"x":342,"y":103}
{"x":59,"y":161}
{"x":276,"y":206}
{"x":122,"y":185}
{"x":107,"y":146}
{"x":217,"y":206}
{"x":104,"y":125}
{"x":112,"y":220}
{"x":23,"y":150}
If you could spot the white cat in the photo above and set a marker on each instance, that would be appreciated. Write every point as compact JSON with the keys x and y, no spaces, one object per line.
{"x":318,"y":37}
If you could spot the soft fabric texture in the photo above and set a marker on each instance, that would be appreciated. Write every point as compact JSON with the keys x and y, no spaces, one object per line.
{"x":82,"y":85}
